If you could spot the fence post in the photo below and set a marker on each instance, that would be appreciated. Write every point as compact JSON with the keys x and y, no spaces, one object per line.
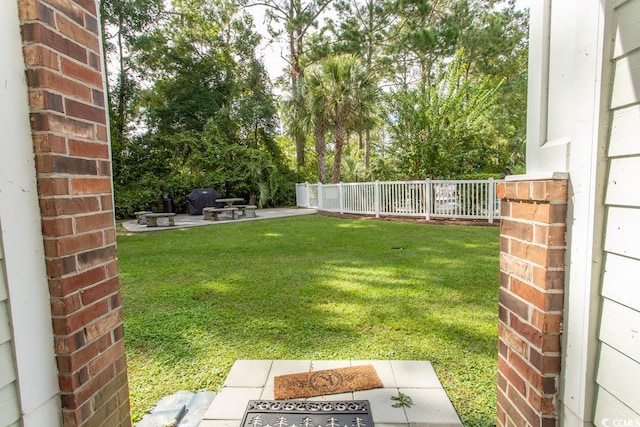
{"x":307,"y":193}
{"x":427,"y":199}
{"x":491,"y":200}
{"x":320,"y":196}
{"x":340,"y":198}
{"x":376,"y":198}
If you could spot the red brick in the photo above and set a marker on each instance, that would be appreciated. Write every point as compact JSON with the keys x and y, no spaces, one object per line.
{"x":61,"y":124}
{"x":52,"y":186}
{"x":40,"y":56}
{"x":84,"y":393}
{"x":97,"y":256}
{"x":58,"y":267}
{"x":106,"y":358}
{"x":523,"y":190}
{"x":57,"y":82}
{"x":47,"y":143}
{"x":550,"y":280}
{"x":546,"y":322}
{"x":57,"y":227}
{"x":43,"y":100}
{"x":78,"y":320}
{"x":93,"y":150}
{"x":512,"y":377}
{"x":110,"y":236}
{"x":530,"y":294}
{"x":106,"y":202}
{"x":513,"y":341}
{"x":531,"y":417}
{"x":70,"y":343}
{"x":551,"y":343}
{"x":76,"y":32}
{"x":100,"y":290}
{"x":97,"y":221}
{"x":527,"y":331}
{"x":67,"y":285}
{"x":101,"y":133}
{"x":35,"y":32}
{"x":65,"y":305}
{"x":516,"y":267}
{"x":112,"y":269}
{"x":73,"y":244}
{"x":551,"y":190}
{"x":70,"y":363}
{"x":84,"y":111}
{"x":82,"y":72}
{"x":513,"y":417}
{"x":70,"y":382}
{"x":529,"y":252}
{"x":549,"y":235}
{"x":515,"y":229}
{"x":513,"y":304}
{"x":68,"y":206}
{"x":82,"y":186}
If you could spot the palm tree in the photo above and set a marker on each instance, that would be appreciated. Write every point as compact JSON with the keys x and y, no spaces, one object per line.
{"x":339,"y":95}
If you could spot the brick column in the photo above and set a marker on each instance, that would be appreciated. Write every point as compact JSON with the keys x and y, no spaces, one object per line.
{"x":62,"y":52}
{"x":532,"y":248}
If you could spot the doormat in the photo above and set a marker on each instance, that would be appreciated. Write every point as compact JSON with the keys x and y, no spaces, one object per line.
{"x":330,"y":381}
{"x":351,"y":413}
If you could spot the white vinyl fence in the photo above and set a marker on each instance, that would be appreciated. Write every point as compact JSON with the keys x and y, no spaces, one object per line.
{"x":430,"y":199}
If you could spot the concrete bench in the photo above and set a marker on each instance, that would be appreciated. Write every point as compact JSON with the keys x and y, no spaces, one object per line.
{"x":152,"y":218}
{"x":211,"y":214}
{"x":248,"y":211}
{"x":141,"y":216}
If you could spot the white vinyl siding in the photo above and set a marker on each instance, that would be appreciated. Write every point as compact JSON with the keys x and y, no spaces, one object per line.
{"x":618,"y":395}
{"x":9,"y":408}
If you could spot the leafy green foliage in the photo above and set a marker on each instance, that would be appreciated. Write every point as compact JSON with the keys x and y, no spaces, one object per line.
{"x":402,"y":400}
{"x":311,"y":287}
{"x":207,"y":117}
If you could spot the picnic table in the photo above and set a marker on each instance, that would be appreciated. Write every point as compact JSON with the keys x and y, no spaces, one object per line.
{"x":230,"y":201}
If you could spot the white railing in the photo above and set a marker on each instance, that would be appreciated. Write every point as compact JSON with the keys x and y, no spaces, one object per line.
{"x":430,"y":199}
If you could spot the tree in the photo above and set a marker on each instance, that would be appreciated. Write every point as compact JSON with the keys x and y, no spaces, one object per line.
{"x":444,"y":130}
{"x":340,"y":94}
{"x":296,"y":18}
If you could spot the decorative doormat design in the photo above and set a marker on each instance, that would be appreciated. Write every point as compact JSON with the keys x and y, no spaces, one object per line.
{"x":287,"y":413}
{"x":330,"y":381}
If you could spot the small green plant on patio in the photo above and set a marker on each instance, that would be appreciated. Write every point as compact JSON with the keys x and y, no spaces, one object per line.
{"x":402,"y":400}
{"x":311,"y":287}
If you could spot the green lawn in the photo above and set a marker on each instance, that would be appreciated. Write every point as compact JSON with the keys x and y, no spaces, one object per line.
{"x":311,"y":287}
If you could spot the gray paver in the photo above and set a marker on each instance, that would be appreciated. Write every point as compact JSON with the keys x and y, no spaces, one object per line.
{"x":380,"y":400}
{"x":431,"y":407}
{"x":248,"y":373}
{"x":231,"y":403}
{"x":415,"y":374}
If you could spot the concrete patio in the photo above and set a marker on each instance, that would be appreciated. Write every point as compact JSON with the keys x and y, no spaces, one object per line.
{"x":185,"y":221}
{"x":253,"y":380}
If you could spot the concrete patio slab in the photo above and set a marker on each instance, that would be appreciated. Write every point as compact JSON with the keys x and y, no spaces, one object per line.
{"x":186,"y":221}
{"x":417,"y":379}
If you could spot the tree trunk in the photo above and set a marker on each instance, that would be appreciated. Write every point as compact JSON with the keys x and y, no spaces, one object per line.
{"x":340,"y":135}
{"x":321,"y":148}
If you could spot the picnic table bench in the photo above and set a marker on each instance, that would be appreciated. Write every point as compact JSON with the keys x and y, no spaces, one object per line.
{"x":211,"y":214}
{"x":152,"y":218}
{"x":248,"y":211}
{"x":141,"y":216}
